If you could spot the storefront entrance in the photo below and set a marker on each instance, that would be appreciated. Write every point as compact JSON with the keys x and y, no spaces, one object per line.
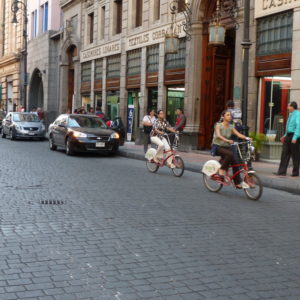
{"x":217,"y":84}
{"x":175,"y":99}
{"x":112,"y":104}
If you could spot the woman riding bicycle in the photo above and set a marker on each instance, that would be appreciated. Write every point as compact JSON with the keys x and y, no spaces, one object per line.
{"x":160,"y":127}
{"x":222,"y":141}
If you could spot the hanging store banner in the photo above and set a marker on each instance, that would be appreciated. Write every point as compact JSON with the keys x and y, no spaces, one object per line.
{"x":100,"y":51}
{"x":268,"y":7}
{"x":151,"y":37}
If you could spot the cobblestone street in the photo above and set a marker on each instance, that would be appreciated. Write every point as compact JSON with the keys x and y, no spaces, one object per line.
{"x":119,"y":232}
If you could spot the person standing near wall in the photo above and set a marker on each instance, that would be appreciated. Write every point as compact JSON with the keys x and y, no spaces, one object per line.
{"x":148,"y":122}
{"x":291,"y":142}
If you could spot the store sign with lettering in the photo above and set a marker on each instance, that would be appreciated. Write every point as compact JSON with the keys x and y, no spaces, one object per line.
{"x":100,"y":51}
{"x":147,"y":38}
{"x":268,"y":7}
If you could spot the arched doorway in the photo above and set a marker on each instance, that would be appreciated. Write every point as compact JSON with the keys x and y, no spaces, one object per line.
{"x":71,"y":53}
{"x":36,"y":92}
{"x":217,"y":76}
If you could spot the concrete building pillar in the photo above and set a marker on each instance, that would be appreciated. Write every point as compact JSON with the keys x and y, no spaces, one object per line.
{"x":193,"y":78}
{"x":295,"y":90}
{"x":123,"y":91}
{"x":143,"y":89}
{"x":162,"y":91}
{"x":104,"y":85}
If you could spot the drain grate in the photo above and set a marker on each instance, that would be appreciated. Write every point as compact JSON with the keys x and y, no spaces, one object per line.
{"x":52,"y":202}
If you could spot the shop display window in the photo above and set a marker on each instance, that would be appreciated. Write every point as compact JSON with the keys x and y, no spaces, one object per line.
{"x":274,"y":99}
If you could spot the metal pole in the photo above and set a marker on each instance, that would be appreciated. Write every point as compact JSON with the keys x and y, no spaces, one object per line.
{"x":246,"y":44}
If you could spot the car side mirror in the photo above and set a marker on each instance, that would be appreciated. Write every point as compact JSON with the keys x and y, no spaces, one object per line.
{"x":62,"y":125}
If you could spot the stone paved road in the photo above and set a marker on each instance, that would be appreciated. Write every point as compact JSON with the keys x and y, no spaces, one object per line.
{"x":123,"y":233}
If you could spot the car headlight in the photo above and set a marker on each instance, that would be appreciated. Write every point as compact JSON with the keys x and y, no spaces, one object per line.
{"x":79,"y":134}
{"x":18,"y":127}
{"x":43,"y":127}
{"x":114,"y":135}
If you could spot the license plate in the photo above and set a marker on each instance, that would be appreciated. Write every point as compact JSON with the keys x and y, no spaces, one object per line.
{"x":31,"y":133}
{"x":100,"y":144}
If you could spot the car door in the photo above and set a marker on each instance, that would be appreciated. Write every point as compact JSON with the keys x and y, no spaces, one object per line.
{"x":61,"y":131}
{"x":7,"y":123}
{"x":119,"y":127}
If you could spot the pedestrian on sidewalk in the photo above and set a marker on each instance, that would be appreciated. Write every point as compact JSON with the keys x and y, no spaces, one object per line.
{"x":148,"y":122}
{"x":180,"y":120}
{"x":291,"y":142}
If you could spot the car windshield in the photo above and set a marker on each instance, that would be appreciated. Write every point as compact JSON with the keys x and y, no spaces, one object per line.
{"x":87,"y":122}
{"x":26,"y":118}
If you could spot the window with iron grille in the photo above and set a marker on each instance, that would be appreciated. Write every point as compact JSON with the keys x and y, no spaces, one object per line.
{"x":175,"y":61}
{"x":86,"y":71}
{"x":113,"y":66}
{"x":153,"y":58}
{"x":98,"y":69}
{"x":275,"y":34}
{"x":134,"y":62}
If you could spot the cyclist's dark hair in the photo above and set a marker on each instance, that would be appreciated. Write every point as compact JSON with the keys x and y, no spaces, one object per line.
{"x":294,"y":105}
{"x":179,"y":108}
{"x":158,"y":112}
{"x":224,"y":112}
{"x":230,"y":104}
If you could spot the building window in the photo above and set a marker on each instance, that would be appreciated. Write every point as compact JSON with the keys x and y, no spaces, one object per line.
{"x":102,"y":22}
{"x":91,"y":28}
{"x":134,"y":62}
{"x":86,"y":71}
{"x":138,"y":13}
{"x":118,"y":16}
{"x":153,"y":58}
{"x":156,"y":10}
{"x":113,"y":66}
{"x":275,"y":34}
{"x":176,"y":61}
{"x":98,"y":69}
{"x":45,"y":17}
{"x":34,"y":23}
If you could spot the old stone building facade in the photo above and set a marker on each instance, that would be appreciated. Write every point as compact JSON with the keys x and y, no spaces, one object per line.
{"x":11,"y":46}
{"x":44,"y":36}
{"x":113,"y":56}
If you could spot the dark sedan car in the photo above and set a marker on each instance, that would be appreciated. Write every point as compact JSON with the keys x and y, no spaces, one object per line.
{"x":82,"y":133}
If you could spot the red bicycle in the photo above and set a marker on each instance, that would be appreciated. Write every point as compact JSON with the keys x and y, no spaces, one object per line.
{"x":177,"y":161}
{"x":251,"y":185}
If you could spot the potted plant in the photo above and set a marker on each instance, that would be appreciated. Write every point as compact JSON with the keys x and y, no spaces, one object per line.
{"x":257,"y":139}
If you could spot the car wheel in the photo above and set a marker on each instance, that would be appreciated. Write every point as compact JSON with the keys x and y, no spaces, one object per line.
{"x":12,"y":134}
{"x":69,"y":149}
{"x":3,"y":134}
{"x":52,"y":146}
{"x":114,"y":150}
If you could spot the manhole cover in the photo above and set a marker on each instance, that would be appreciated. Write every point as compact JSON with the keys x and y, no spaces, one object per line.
{"x":52,"y":202}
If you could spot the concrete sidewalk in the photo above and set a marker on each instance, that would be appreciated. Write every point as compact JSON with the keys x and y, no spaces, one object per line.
{"x":195,"y":160}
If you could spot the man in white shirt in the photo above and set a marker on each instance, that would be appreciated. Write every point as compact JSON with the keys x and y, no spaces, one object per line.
{"x":148,"y":122}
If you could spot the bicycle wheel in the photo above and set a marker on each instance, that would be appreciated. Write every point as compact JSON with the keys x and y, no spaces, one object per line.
{"x":255,"y":190}
{"x":211,"y":185}
{"x":152,"y":167}
{"x":179,"y":166}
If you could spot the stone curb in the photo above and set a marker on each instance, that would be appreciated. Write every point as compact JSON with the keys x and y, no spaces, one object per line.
{"x":281,"y":184}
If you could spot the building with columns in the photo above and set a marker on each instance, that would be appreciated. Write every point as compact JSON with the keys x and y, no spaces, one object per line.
{"x":113,"y":55}
{"x":44,"y":36}
{"x":11,"y":46}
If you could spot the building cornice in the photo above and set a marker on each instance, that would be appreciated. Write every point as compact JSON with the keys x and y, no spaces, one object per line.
{"x":8,"y":60}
